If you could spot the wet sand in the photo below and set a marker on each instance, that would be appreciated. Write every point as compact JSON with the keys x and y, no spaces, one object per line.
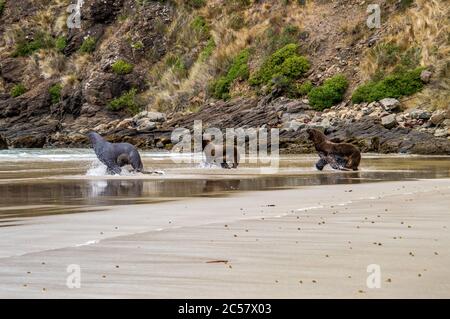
{"x":311,"y":241}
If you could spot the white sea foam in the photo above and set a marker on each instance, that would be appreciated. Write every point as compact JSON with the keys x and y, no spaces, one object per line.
{"x":309,"y":208}
{"x":99,"y":169}
{"x":89,"y":242}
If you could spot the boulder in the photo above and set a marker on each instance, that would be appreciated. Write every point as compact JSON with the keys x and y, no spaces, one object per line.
{"x":389,"y":121}
{"x":293,"y":126}
{"x":420,"y":114}
{"x":156,"y":116}
{"x":425,"y":76}
{"x":125,"y":124}
{"x":150,"y":115}
{"x":438,"y":117}
{"x":145,"y":124}
{"x":390,"y":105}
{"x":325,"y":123}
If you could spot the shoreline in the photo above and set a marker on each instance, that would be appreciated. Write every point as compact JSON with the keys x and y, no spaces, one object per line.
{"x":270,"y":244}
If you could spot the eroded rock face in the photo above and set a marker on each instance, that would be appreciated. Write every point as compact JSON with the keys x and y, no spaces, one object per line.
{"x":29,"y":141}
{"x":101,"y":87}
{"x":13,"y":69}
{"x":3,"y":143}
{"x":101,"y":11}
{"x":31,"y":120}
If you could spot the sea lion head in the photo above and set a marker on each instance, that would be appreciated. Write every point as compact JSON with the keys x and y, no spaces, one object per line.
{"x":315,"y":135}
{"x":94,"y":138}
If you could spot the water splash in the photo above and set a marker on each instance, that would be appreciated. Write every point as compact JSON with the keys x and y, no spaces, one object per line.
{"x":205,"y":164}
{"x":96,"y":169}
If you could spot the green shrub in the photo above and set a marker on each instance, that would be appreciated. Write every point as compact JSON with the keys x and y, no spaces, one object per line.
{"x":238,"y":70}
{"x":387,"y":54}
{"x":177,"y":64}
{"x":41,"y":40}
{"x":199,"y":24}
{"x":304,"y":88}
{"x":88,"y":45}
{"x":138,"y":45}
{"x":276,"y":37}
{"x":329,"y":93}
{"x":284,"y":62}
{"x":208,"y":50}
{"x":197,"y":4}
{"x":2,"y":6}
{"x":18,"y":90}
{"x":390,"y":57}
{"x":122,"y":67}
{"x":396,"y":85}
{"x":127,"y":101}
{"x":61,"y":43}
{"x":201,"y":27}
{"x":55,"y":93}
{"x":404,"y":4}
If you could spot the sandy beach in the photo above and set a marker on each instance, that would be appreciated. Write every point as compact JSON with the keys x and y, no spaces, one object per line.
{"x":308,"y":242}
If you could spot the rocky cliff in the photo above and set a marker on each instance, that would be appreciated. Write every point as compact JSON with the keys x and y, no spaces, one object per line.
{"x":137,"y":69}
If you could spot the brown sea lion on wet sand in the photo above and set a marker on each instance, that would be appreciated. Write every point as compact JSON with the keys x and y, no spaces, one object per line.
{"x":341,"y":156}
{"x":217,"y":154}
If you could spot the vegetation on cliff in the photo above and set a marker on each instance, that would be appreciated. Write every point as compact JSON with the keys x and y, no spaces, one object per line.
{"x":395,"y":85}
{"x":127,"y":101}
{"x":18,"y":90}
{"x":237,"y":70}
{"x":178,"y":56}
{"x":330,"y":93}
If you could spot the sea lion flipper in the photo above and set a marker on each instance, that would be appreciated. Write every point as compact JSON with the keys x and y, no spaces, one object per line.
{"x":135,"y":161}
{"x":321,"y":163}
{"x":112,"y":167}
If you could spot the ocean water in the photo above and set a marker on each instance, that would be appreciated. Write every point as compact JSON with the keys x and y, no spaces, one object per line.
{"x":36,"y":182}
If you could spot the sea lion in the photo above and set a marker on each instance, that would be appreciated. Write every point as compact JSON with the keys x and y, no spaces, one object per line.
{"x":116,"y":155}
{"x":217,"y":154}
{"x":341,"y":156}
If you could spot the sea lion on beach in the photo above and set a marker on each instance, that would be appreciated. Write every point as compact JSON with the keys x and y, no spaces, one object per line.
{"x":217,"y":154}
{"x":341,"y":156}
{"x":116,"y":155}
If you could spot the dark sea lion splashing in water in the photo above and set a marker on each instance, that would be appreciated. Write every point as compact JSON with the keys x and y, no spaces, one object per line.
{"x":117,"y":155}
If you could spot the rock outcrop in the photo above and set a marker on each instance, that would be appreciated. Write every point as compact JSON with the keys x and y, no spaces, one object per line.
{"x":3,"y":143}
{"x":146,"y":35}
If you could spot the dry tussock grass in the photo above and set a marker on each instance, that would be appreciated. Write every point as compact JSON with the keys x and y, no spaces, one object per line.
{"x":169,"y":89}
{"x":426,"y":25}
